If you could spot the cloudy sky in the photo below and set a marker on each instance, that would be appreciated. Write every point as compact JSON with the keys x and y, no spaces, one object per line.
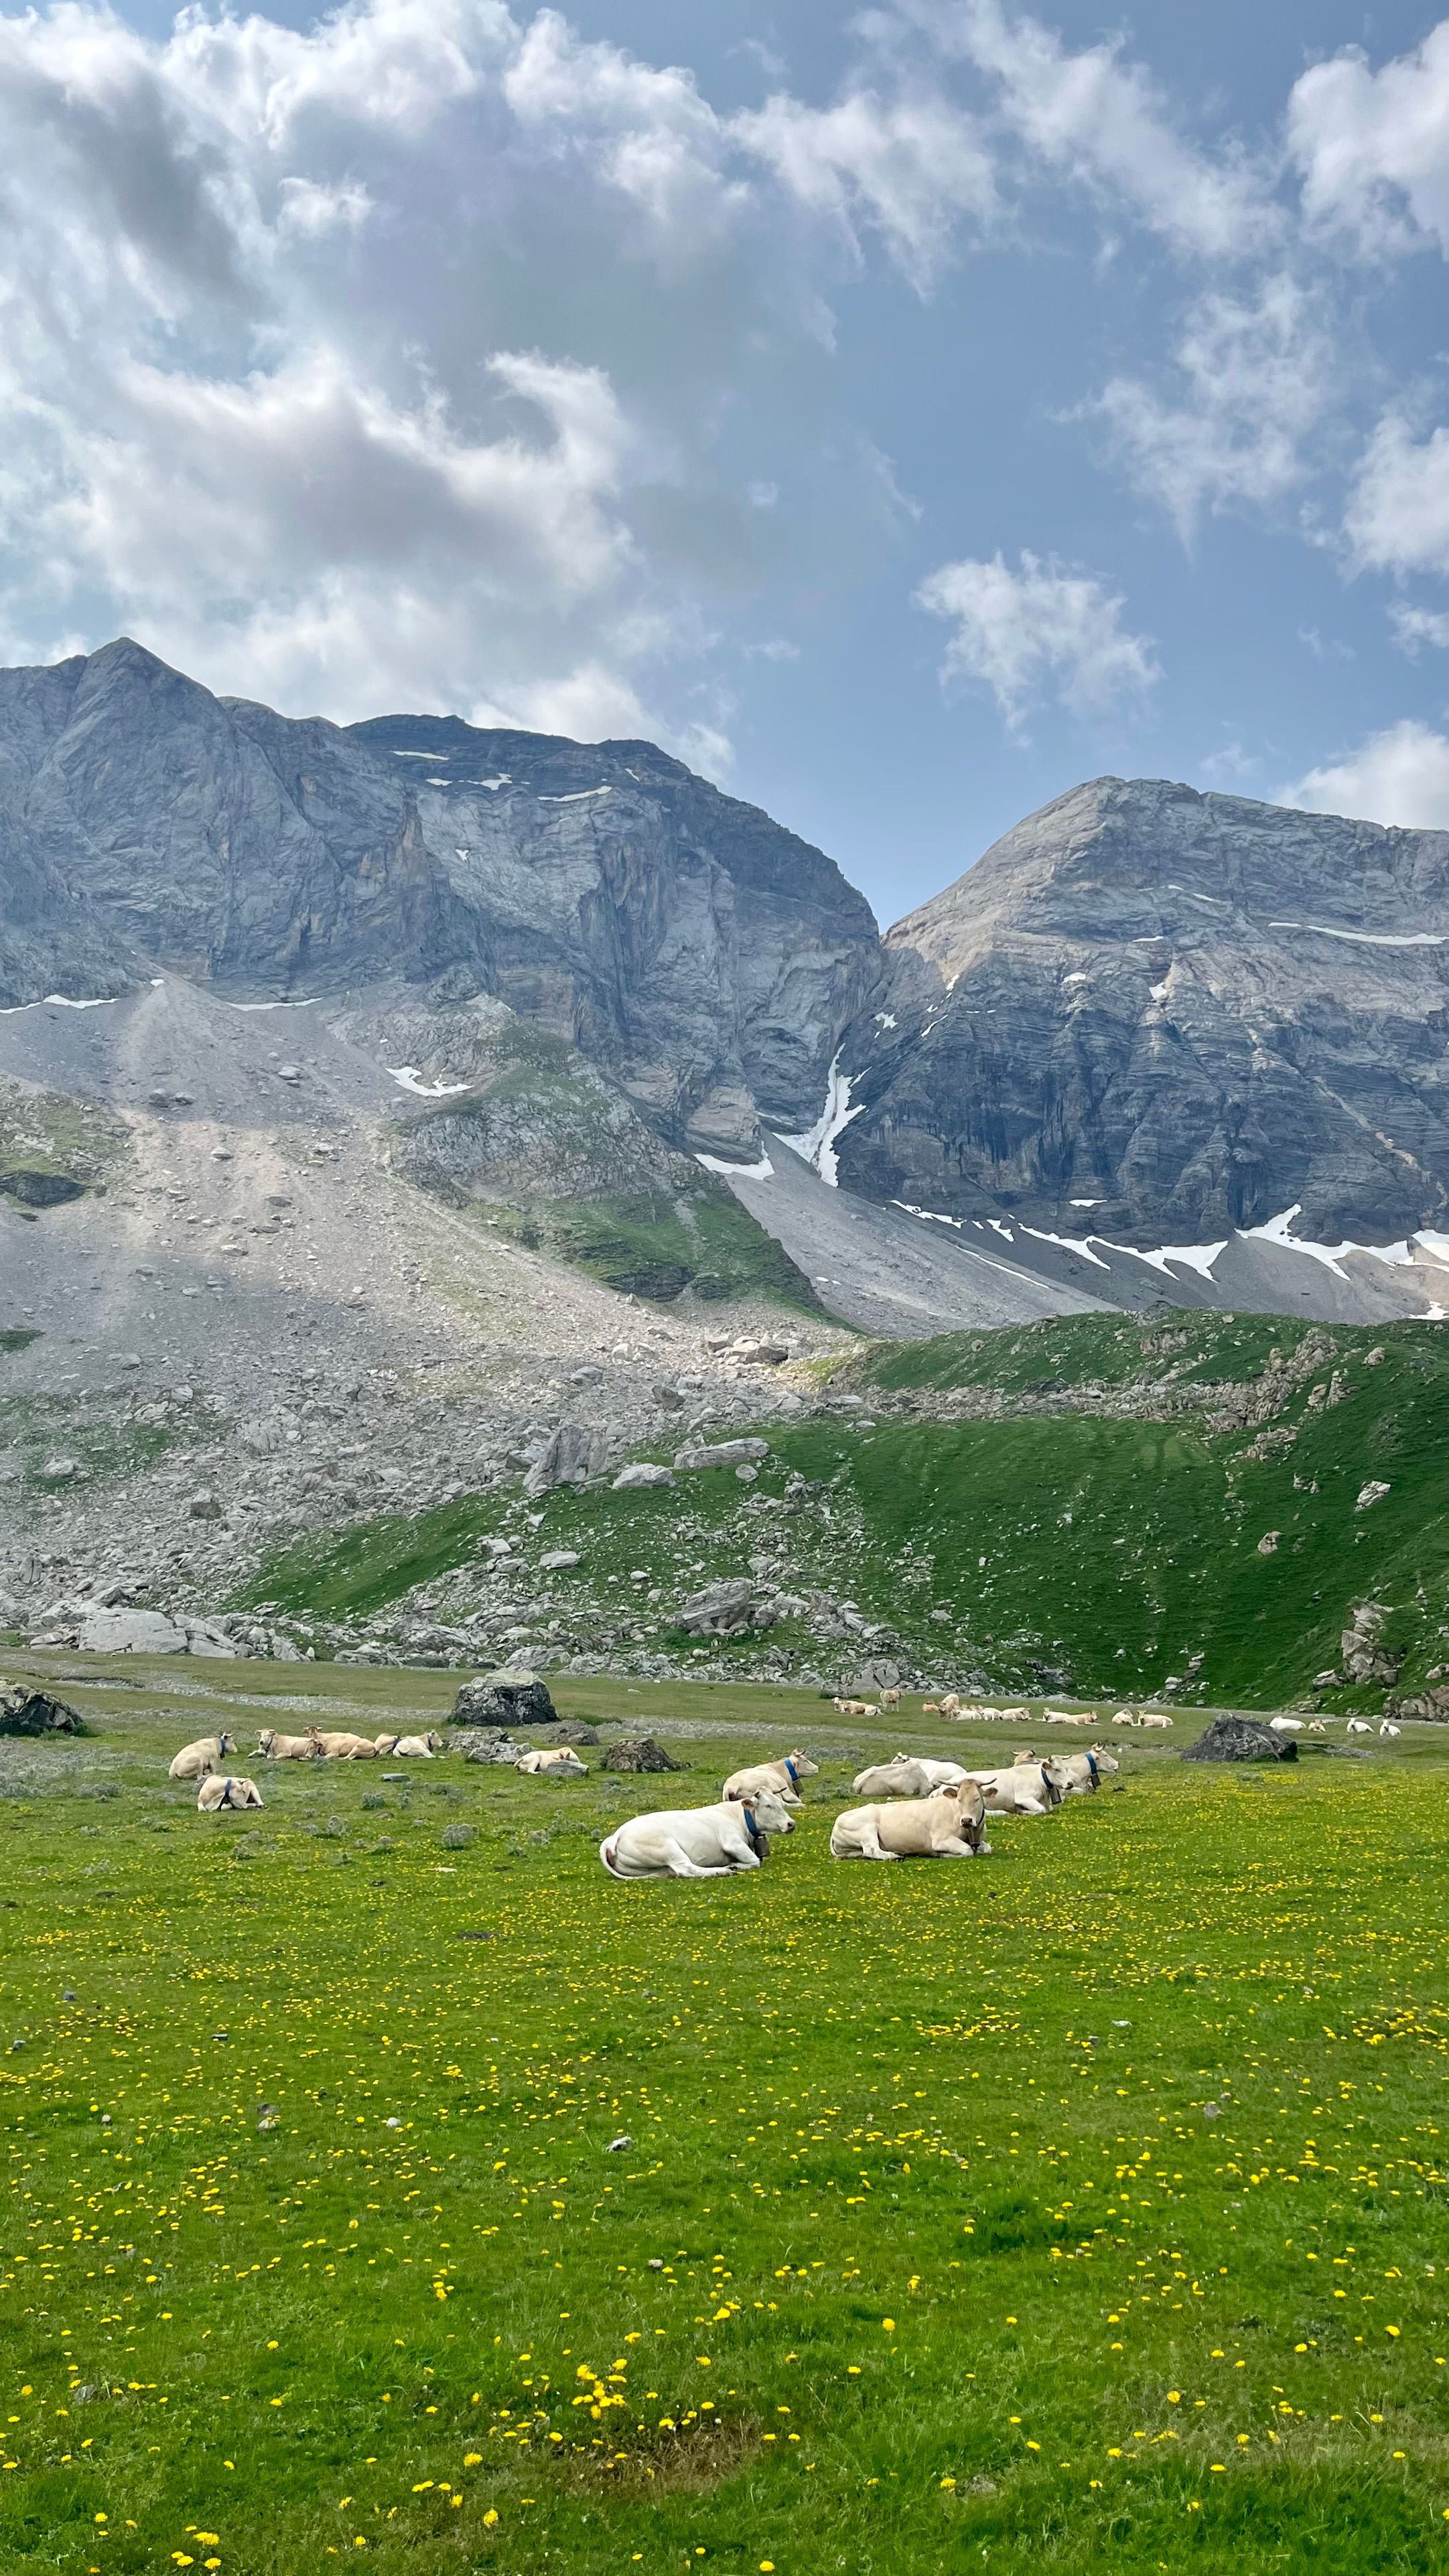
{"x":901,"y":414}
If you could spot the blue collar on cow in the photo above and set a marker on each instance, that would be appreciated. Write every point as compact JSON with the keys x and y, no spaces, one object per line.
{"x":790,"y":1767}
{"x":227,"y":1787}
{"x":1091,"y":1762}
{"x":751,"y":1828}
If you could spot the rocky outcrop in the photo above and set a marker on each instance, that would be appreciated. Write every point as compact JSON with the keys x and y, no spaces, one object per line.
{"x":638,"y":1753}
{"x":1156,"y":1016}
{"x":24,"y":1710}
{"x":1241,"y":1739}
{"x":510,"y":1698}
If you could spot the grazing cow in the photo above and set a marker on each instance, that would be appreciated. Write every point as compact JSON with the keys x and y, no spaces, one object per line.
{"x":208,"y":1753}
{"x":949,"y":1825}
{"x":696,"y":1842}
{"x":890,"y":1699}
{"x":286,"y":1748}
{"x":1079,"y":1775}
{"x":951,"y":1704}
{"x":346,"y":1748}
{"x":1358,"y":1726}
{"x":1154,"y":1717}
{"x":1027,"y":1789}
{"x":410,"y":1748}
{"x":1286,"y":1725}
{"x":1387,"y":1727}
{"x":557,"y":1762}
{"x":906,"y":1777}
{"x":780,"y":1776}
{"x":220,"y":1791}
{"x":930,"y":1708}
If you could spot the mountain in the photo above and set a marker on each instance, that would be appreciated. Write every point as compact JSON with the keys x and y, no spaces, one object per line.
{"x":706,"y":958}
{"x":1157,"y":1017}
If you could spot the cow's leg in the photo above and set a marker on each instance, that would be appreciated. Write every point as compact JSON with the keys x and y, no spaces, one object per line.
{"x":871,"y":1846}
{"x":679,"y":1865}
{"x":952,"y":1849}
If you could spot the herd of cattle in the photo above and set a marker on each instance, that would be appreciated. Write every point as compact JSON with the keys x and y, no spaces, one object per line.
{"x":916,"y":1808}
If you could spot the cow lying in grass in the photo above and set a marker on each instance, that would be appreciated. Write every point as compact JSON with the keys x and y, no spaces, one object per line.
{"x":780,"y":1776}
{"x":1080,"y":1775}
{"x":1027,"y":1789}
{"x":949,"y":1826}
{"x":346,"y":1748}
{"x":906,"y":1776}
{"x":207,"y":1754}
{"x":410,"y":1748}
{"x":287,"y":1748}
{"x":697,"y":1842}
{"x":556,"y":1762}
{"x":219,"y":1790}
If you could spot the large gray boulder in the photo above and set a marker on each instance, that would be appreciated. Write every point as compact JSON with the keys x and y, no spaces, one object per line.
{"x":722,"y":1453}
{"x":512,"y":1699}
{"x":729,"y":1609}
{"x":576,"y":1453}
{"x":24,"y":1710}
{"x":1241,"y":1739}
{"x":132,"y":1632}
{"x":638,"y":1753}
{"x":643,"y":1478}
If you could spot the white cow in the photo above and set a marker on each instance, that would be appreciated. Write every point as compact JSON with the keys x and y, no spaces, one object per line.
{"x":347,"y":1748}
{"x":410,"y":1748}
{"x":1027,"y":1789}
{"x":950,"y":1825}
{"x":219,"y":1790}
{"x":208,"y":1753}
{"x":1287,"y":1725}
{"x":1155,"y":1717}
{"x":1080,"y":1775}
{"x":907,"y":1776}
{"x":1316,"y":1726}
{"x":1387,"y":1727}
{"x":890,"y":1699}
{"x":287,"y":1748}
{"x":1358,"y":1726}
{"x":696,"y":1842}
{"x":557,"y":1762}
{"x":780,"y":1776}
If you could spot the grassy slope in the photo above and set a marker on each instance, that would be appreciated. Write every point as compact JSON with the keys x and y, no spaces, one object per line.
{"x":659,"y":1244}
{"x":1098,"y":1533}
{"x":924,"y":2152}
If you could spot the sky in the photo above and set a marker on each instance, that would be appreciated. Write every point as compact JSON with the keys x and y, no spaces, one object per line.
{"x":901,"y":413}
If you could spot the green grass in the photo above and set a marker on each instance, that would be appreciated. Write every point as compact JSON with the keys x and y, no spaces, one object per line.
{"x":46,"y":1136}
{"x":657,"y":1244}
{"x":924,"y":2154}
{"x":1086,"y":1550}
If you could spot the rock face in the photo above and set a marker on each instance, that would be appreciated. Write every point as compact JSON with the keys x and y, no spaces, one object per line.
{"x":1158,"y":1016}
{"x":707,"y":958}
{"x":1241,"y":1739}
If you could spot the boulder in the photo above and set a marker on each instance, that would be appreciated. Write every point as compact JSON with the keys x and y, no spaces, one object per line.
{"x":727,"y":1609}
{"x":638,"y":1753}
{"x":575,"y":1453}
{"x":1241,"y":1739}
{"x":642,"y":1475}
{"x":132,"y":1632}
{"x":476,"y":1747}
{"x":204,"y":1507}
{"x":24,"y":1710}
{"x":571,"y":1730}
{"x":558,"y":1560}
{"x":723,"y":1453}
{"x":1431,"y":1705}
{"x":508,"y":1698}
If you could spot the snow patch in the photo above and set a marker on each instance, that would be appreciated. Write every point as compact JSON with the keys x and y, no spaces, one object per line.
{"x":1160,"y":991}
{"x":817,"y":1145}
{"x":1215,"y":902}
{"x":411,"y":1080}
{"x":763,"y":1170}
{"x":1084,"y":1202}
{"x":1192,"y":1256}
{"x":1070,"y":1243}
{"x":579,"y":797}
{"x":492,"y":784}
{"x":1367,"y":938}
{"x":415,"y":755}
{"x":60,"y":1001}
{"x":885,"y":1019}
{"x":306,"y":1004}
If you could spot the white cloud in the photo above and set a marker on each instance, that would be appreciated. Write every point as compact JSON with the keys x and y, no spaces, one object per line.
{"x":1104,"y":123}
{"x":1373,"y":147}
{"x":1397,"y":518}
{"x":907,"y":167}
{"x":1398,"y":776}
{"x":1037,"y":629}
{"x":1415,"y":627}
{"x":1254,"y":378}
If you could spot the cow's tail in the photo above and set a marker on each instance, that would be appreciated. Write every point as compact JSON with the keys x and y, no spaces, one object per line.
{"x":606,"y":1855}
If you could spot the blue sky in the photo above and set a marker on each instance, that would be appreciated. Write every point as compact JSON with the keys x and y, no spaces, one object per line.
{"x":902,"y":413}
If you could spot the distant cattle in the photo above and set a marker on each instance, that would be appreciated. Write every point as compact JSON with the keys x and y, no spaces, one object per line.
{"x":557,"y":1762}
{"x":287,"y":1748}
{"x":409,"y":1748}
{"x":1358,"y":1726}
{"x":207,"y":1754}
{"x":347,"y":1748}
{"x":950,"y":1825}
{"x":1387,"y":1727}
{"x":220,"y":1791}
{"x":697,"y":1842}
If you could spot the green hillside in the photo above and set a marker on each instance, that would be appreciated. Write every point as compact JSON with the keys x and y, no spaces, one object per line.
{"x":1084,"y":1506}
